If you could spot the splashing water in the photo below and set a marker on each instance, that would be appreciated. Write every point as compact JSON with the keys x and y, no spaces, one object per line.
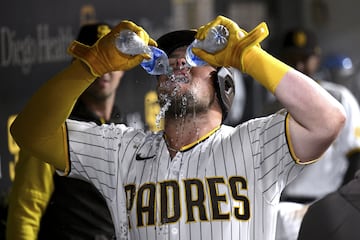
{"x":166,"y":106}
{"x":162,"y":111}
{"x":172,"y":77}
{"x":184,"y":101}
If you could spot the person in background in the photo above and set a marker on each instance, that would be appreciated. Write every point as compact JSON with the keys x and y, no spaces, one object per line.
{"x":45,"y":205}
{"x":153,"y":121}
{"x":301,"y":50}
{"x":335,"y":216}
{"x":198,"y":178}
{"x":341,"y":69}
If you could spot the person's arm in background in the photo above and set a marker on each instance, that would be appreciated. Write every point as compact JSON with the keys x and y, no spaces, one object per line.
{"x":40,"y":127}
{"x":315,"y":117}
{"x":30,"y":193}
{"x":349,"y":138}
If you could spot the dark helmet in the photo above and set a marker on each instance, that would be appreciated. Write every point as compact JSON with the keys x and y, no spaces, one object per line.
{"x":90,"y":33}
{"x":298,"y":45}
{"x":223,"y":79}
{"x":301,"y":40}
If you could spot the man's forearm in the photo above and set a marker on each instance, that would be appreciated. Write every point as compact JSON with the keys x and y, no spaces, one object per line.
{"x":39,"y":128}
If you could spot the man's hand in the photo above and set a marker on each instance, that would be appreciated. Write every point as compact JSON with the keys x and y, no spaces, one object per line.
{"x":104,"y":57}
{"x":238,"y":43}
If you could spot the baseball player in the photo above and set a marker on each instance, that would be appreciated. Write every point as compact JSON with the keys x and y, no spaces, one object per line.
{"x":197,"y":179}
{"x":339,"y":223}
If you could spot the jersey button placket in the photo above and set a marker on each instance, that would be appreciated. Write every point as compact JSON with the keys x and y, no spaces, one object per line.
{"x":175,"y":166}
{"x":162,"y":232}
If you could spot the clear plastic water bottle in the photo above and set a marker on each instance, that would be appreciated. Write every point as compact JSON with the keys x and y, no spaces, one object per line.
{"x":216,"y":40}
{"x":130,"y":43}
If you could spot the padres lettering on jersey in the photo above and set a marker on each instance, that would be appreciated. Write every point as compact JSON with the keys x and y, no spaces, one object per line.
{"x":195,"y":194}
{"x":225,"y":187}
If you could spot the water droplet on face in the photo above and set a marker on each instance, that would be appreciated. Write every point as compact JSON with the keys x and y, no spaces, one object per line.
{"x":171,"y":77}
{"x":183,"y":111}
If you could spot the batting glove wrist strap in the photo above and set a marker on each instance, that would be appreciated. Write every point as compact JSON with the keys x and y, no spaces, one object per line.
{"x":264,"y":68}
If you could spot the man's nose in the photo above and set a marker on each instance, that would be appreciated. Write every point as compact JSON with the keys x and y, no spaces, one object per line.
{"x":180,"y":63}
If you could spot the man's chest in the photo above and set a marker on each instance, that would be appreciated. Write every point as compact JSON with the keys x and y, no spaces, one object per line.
{"x":192,"y":187}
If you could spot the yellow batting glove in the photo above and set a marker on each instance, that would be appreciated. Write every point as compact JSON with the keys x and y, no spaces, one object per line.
{"x":243,"y":51}
{"x":238,"y":43}
{"x":104,"y":57}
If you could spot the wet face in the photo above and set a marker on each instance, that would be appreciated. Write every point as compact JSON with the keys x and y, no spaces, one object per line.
{"x":187,"y":91}
{"x":104,"y":86}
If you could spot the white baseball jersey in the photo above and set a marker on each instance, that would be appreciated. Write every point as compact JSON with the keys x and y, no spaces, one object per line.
{"x":326,"y":176}
{"x":225,"y":187}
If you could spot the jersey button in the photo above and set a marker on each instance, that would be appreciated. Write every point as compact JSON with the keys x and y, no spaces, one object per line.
{"x":174,"y":231}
